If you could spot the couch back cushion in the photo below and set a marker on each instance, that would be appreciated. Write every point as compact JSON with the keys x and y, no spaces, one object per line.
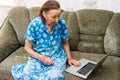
{"x":92,"y":27}
{"x":19,"y":19}
{"x":73,"y":28}
{"x":33,"y":12}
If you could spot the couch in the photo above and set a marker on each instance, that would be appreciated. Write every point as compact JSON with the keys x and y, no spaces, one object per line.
{"x":93,"y":33}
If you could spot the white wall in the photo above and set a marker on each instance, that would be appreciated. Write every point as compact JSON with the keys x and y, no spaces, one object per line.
{"x":113,"y":5}
{"x":69,"y":5}
{"x":73,"y":5}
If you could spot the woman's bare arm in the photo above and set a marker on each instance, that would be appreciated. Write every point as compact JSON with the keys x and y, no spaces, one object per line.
{"x":71,"y":61}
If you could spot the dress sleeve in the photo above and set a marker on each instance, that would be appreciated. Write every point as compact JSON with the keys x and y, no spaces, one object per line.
{"x":64,"y":29}
{"x":30,"y":32}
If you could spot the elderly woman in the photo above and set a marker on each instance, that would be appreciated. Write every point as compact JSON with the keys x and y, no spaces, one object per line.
{"x":46,"y":41}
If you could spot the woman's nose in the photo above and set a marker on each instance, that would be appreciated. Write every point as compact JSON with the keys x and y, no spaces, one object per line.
{"x":56,"y":20}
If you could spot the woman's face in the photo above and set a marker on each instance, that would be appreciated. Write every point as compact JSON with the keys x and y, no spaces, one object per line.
{"x":52,"y":16}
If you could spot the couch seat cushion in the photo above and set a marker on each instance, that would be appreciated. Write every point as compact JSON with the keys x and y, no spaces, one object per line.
{"x":19,"y":56}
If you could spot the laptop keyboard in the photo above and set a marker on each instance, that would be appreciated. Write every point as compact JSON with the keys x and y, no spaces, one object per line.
{"x":85,"y":69}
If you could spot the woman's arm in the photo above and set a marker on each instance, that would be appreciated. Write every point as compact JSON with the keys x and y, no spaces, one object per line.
{"x":32,"y":53}
{"x":71,"y":61}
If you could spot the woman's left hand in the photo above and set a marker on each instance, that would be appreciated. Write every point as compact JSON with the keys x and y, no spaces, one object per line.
{"x":73,"y":62}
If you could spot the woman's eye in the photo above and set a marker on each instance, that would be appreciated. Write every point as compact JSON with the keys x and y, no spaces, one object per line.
{"x":54,"y":17}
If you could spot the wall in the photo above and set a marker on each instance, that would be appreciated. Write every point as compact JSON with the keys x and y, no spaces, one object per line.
{"x":73,"y":5}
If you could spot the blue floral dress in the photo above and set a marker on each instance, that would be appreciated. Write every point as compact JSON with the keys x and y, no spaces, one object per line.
{"x":48,"y":44}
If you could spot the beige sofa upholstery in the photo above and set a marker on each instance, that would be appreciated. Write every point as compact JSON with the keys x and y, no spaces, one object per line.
{"x":92,"y":34}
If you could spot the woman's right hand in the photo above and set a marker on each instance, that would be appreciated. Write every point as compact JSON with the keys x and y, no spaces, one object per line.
{"x":47,"y":61}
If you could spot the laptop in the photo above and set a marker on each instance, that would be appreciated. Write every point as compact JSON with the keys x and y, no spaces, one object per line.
{"x":86,"y":67}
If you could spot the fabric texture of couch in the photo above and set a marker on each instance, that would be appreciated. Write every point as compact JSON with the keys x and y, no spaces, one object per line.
{"x":93,"y":33}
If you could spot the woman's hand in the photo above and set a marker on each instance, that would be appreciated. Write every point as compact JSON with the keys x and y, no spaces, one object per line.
{"x":73,"y":62}
{"x":47,"y":61}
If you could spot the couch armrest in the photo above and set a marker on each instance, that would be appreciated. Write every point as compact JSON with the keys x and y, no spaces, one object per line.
{"x":112,"y":37}
{"x":8,"y":40}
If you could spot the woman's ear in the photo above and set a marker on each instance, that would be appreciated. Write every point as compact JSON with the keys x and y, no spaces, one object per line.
{"x":43,"y":13}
